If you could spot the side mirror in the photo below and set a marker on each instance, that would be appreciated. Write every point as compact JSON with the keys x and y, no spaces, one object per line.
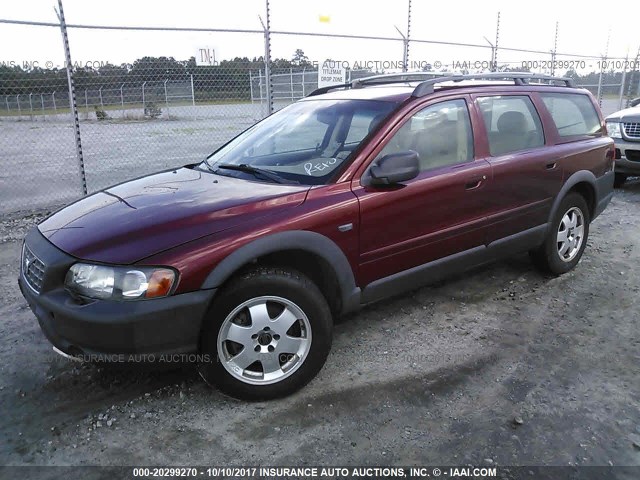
{"x":395,"y":168}
{"x":635,"y":102}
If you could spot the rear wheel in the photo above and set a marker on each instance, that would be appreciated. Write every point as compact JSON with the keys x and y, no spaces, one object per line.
{"x":619,"y":180}
{"x":267,"y":335}
{"x":567,"y":237}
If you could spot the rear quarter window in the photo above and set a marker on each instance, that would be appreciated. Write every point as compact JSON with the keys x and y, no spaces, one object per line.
{"x":573,"y":114}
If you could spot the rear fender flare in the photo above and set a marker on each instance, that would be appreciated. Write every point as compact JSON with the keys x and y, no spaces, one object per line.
{"x":572,"y":181}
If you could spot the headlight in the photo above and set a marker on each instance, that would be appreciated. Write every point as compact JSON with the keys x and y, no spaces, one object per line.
{"x":613,"y":129}
{"x":119,"y":283}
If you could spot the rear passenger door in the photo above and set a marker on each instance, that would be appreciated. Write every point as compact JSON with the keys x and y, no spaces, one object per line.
{"x":526,"y":178}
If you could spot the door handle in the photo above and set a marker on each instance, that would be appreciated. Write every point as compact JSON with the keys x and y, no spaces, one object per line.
{"x":474,"y":182}
{"x":551,"y":166}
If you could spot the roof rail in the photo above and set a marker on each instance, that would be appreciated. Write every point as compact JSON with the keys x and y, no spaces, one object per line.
{"x":519,"y":78}
{"x":433,"y":78}
{"x":395,"y":78}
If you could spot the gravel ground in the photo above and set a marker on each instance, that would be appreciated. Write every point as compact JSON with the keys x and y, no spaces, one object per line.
{"x":502,"y":366}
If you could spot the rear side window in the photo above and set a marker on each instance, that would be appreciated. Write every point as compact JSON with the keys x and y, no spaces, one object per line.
{"x":573,"y":114}
{"x":512,"y":124}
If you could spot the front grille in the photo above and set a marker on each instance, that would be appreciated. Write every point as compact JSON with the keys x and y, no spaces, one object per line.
{"x":32,"y":269}
{"x":631,"y":130}
{"x":633,"y":155}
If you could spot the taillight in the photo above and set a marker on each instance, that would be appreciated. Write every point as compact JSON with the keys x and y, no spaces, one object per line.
{"x":610,"y":158}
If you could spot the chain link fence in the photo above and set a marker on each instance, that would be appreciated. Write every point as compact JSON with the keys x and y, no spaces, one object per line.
{"x":159,"y":112}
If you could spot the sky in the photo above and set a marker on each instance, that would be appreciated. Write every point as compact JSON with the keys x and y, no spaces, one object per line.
{"x":583,"y":29}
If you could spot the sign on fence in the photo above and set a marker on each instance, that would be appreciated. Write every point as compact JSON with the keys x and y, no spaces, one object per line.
{"x":330,"y":73}
{"x":206,"y":56}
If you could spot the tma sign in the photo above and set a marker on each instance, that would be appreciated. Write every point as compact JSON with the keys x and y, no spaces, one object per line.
{"x":206,"y":56}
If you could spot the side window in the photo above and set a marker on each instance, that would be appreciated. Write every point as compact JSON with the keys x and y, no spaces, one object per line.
{"x":440,"y":134}
{"x":573,"y":114}
{"x":512,"y":124}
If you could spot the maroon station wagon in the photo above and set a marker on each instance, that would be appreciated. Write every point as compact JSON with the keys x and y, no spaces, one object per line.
{"x":354,"y":194}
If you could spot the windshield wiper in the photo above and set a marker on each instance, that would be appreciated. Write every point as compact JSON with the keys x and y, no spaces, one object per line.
{"x":243,"y":167}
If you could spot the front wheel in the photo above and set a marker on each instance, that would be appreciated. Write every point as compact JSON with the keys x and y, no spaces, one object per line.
{"x":567,"y":237}
{"x":267,"y":335}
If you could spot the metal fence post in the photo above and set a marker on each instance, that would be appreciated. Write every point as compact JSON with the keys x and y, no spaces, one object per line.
{"x":193,"y":94}
{"x":6,"y":99}
{"x":407,"y":38}
{"x":405,"y":51}
{"x":599,"y":95}
{"x":18,"y":102}
{"x":72,"y":96}
{"x":621,"y":93}
{"x":53,"y":99}
{"x":267,"y":59}
{"x":122,"y":99}
{"x":166,"y":98}
{"x":602,"y":65}
{"x":291,"y":82}
{"x":144,"y":105}
{"x":251,"y":86}
{"x":632,"y":78}
{"x":495,"y":48}
{"x":42,"y":104}
{"x":554,"y":51}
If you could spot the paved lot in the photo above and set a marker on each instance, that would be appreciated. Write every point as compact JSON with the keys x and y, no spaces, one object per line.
{"x":39,"y":167}
{"x":436,"y":376}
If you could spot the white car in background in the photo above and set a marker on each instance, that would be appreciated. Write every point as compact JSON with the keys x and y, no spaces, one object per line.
{"x":624,"y":128}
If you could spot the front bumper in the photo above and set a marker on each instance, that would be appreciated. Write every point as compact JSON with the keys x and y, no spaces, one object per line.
{"x":627,"y":156}
{"x":100,"y":330}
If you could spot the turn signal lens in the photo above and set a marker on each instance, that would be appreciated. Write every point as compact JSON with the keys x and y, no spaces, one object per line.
{"x":160,"y":283}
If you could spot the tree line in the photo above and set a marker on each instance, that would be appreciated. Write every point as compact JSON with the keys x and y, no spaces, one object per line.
{"x":229,"y":78}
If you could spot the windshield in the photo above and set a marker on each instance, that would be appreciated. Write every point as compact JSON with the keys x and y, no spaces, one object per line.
{"x":305,"y":142}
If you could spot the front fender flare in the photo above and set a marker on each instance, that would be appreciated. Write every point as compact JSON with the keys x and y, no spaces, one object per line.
{"x":307,"y":241}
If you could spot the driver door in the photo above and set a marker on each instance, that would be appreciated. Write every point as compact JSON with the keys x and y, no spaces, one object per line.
{"x":439,"y":213}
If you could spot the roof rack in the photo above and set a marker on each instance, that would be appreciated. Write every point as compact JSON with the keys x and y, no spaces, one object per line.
{"x":425,"y":87}
{"x":519,"y":78}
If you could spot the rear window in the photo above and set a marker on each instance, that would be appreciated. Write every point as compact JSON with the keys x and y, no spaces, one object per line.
{"x":573,"y":114}
{"x":512,"y":124}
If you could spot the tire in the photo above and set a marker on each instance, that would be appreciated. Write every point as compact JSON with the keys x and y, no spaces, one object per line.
{"x":556,"y":256}
{"x":619,"y":179}
{"x":266,"y":359}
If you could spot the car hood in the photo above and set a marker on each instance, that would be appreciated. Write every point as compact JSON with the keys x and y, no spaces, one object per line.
{"x":627,"y":115}
{"x":133,"y":220}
